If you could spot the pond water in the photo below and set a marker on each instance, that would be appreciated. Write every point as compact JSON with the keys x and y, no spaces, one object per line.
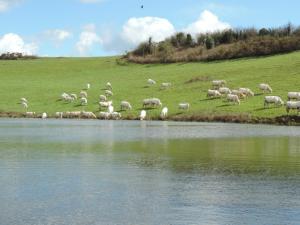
{"x":147,"y":173}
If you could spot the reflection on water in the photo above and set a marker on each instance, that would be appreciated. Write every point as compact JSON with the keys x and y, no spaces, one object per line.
{"x":94,"y":172}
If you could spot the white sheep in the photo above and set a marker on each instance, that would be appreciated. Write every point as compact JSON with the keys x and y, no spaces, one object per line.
{"x":30,"y":114}
{"x":218,"y":83}
{"x":152,"y":102}
{"x":164,"y":113}
{"x":25,"y":105}
{"x":59,"y":115}
{"x":73,"y":114}
{"x":294,"y":96}
{"x":184,"y":106}
{"x":265,"y":88}
{"x":104,"y":115}
{"x":105,"y":104}
{"x":213,"y":93}
{"x":24,"y":100}
{"x":110,"y":109}
{"x":88,"y":86}
{"x":102,"y":98}
{"x":44,"y":115}
{"x":108,"y":93}
{"x":116,"y":115}
{"x":125,"y":105}
{"x":224,"y":90}
{"x":233,"y":98}
{"x":88,"y":115}
{"x":83,"y":101}
{"x":165,"y":85}
{"x":290,"y":105}
{"x":143,"y":114}
{"x":83,"y":94}
{"x":246,"y":91}
{"x":273,"y":100}
{"x":108,"y":86}
{"x":151,"y":82}
{"x":64,"y":96}
{"x":238,"y":93}
{"x":73,"y":96}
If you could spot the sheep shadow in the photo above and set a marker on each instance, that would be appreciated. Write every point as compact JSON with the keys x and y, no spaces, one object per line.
{"x":208,"y":99}
{"x":259,"y":94}
{"x":224,"y":105}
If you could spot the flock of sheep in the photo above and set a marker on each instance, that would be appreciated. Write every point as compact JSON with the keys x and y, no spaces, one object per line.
{"x":218,"y":90}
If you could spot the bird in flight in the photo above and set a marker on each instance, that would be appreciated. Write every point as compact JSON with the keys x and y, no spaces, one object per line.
{"x":142,"y":6}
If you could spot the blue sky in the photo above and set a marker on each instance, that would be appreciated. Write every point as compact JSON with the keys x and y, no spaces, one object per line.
{"x":107,"y":27}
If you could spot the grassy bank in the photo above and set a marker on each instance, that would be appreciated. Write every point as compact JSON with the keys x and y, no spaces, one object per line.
{"x":42,"y":81}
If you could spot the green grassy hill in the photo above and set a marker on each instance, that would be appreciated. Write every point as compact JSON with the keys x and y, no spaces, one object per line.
{"x":42,"y":81}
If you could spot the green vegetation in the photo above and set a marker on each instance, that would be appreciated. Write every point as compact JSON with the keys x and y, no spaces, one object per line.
{"x":227,"y":44}
{"x":42,"y":81}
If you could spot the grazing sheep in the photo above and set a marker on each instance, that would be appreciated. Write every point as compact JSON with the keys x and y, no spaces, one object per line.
{"x":64,"y":96}
{"x":213,"y":93}
{"x":184,"y":106}
{"x":110,"y":109}
{"x":88,"y":86}
{"x":44,"y":115}
{"x":24,"y":100}
{"x":233,"y":98}
{"x":102,"y":98}
{"x":83,"y":94}
{"x":108,"y":93}
{"x":143,"y":114}
{"x":246,"y":91}
{"x":104,"y":115}
{"x":165,"y":85}
{"x":59,"y":115}
{"x":152,"y":102}
{"x":73,"y":114}
{"x":265,"y":88}
{"x":73,"y":96}
{"x":151,"y":82}
{"x":69,"y":98}
{"x":273,"y":100}
{"x":238,"y":93}
{"x":294,"y":96}
{"x":164,"y":113}
{"x":293,"y":106}
{"x":108,"y":86}
{"x":224,"y":91}
{"x":116,"y":115}
{"x":30,"y":114}
{"x":83,"y":101}
{"x":216,"y":84}
{"x":88,"y":115}
{"x":25,"y":105}
{"x":125,"y":105}
{"x":105,"y":104}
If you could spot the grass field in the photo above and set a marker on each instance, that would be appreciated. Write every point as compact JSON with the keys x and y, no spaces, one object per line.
{"x":42,"y":81}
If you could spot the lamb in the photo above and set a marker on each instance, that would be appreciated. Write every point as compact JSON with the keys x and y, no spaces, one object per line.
{"x":151,"y":102}
{"x":143,"y":114}
{"x":108,"y":86}
{"x":246,"y":91}
{"x":273,"y":100}
{"x":83,"y":94}
{"x":59,"y":115}
{"x":294,"y":96}
{"x":265,"y":88}
{"x":224,"y":91}
{"x":88,"y":115}
{"x":102,"y":98}
{"x":293,"y":106}
{"x":233,"y":98}
{"x":104,"y":115}
{"x":165,"y":85}
{"x":213,"y":93}
{"x":151,"y":82}
{"x":83,"y":101}
{"x":184,"y":106}
{"x":125,"y":105}
{"x":218,"y":83}
{"x":164,"y":113}
{"x":44,"y":115}
{"x":108,"y":93}
{"x":105,"y":104}
{"x":116,"y":115}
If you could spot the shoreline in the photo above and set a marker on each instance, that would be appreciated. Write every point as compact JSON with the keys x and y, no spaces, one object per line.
{"x":284,"y":120}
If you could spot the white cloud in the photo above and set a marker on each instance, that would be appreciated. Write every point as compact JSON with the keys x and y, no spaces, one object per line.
{"x":6,"y":4}
{"x":137,"y":30}
{"x":14,"y":43}
{"x":58,"y":35}
{"x":207,"y":22}
{"x":92,"y":1}
{"x":88,"y":38}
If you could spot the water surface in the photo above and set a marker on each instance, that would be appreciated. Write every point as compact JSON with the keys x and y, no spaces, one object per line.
{"x":127,"y":173}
